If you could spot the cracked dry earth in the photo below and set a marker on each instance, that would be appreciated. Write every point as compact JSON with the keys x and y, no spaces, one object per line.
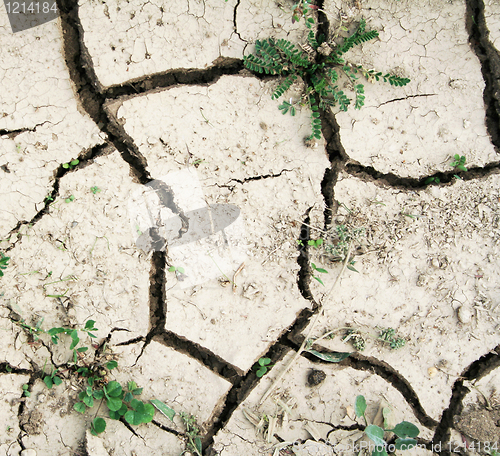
{"x":156,"y":91}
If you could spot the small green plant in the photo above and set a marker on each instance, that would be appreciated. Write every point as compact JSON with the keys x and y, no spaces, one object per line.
{"x":431,"y":180}
{"x":48,"y":198}
{"x":4,"y":262}
{"x":69,"y":199}
{"x":320,"y":72}
{"x":459,"y":162}
{"x":321,"y":270}
{"x":192,"y":433}
{"x":52,"y":379}
{"x":26,"y":391}
{"x":120,"y":401}
{"x":302,"y":9}
{"x":71,"y":164}
{"x":405,"y":431}
{"x":95,"y":189}
{"x":176,"y":269}
{"x":316,"y":243}
{"x":262,"y":366}
{"x":388,"y":336}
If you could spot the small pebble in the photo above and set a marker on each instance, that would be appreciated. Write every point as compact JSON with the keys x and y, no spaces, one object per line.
{"x":432,"y":371}
{"x":315,"y":377}
{"x":28,"y":452}
{"x":464,"y":315}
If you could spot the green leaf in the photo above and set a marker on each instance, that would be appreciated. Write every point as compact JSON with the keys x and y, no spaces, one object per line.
{"x":261,"y":371}
{"x":113,"y":389}
{"x":80,"y":407}
{"x":137,"y":391}
{"x":142,"y":413}
{"x":405,"y":429}
{"x":48,"y":381}
{"x":131,"y":385}
{"x":163,"y":408}
{"x":376,"y":434}
{"x":197,"y":444}
{"x":360,"y":406}
{"x":319,"y":280}
{"x":90,"y":324}
{"x":112,"y":365}
{"x":117,"y":414}
{"x":88,"y":401}
{"x":405,"y":444}
{"x":114,"y":403}
{"x":98,"y":426}
{"x":99,"y":394}
{"x":128,"y":397}
{"x":264,"y":361}
{"x":82,"y":349}
{"x":335,"y":357}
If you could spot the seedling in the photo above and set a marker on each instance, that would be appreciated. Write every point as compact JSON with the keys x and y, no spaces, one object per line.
{"x":71,"y":164}
{"x":320,"y":70}
{"x":262,"y":366}
{"x":176,"y":269}
{"x":48,"y":198}
{"x":69,"y":199}
{"x":431,"y":180}
{"x":192,"y":432}
{"x":26,"y":392}
{"x":405,"y":431}
{"x":95,"y":190}
{"x":343,"y":236}
{"x":4,"y":262}
{"x":388,"y":336}
{"x":459,"y":162}
{"x":52,"y":379}
{"x":316,"y":243}
{"x":321,"y":270}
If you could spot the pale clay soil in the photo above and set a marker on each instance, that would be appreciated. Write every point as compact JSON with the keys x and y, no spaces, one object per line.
{"x":148,"y":92}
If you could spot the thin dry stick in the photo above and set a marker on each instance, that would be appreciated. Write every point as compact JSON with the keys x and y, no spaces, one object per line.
{"x":301,"y":349}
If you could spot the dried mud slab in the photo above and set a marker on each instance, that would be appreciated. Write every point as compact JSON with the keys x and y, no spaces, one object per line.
{"x":325,"y":410}
{"x":479,"y":418}
{"x":145,"y":441}
{"x":179,"y":381}
{"x":40,"y":125}
{"x":427,"y":268}
{"x":79,"y":262}
{"x":49,"y":423}
{"x":257,"y":162}
{"x":415,"y":130}
{"x":11,"y":387}
{"x":130,"y":40}
{"x":492,"y":17}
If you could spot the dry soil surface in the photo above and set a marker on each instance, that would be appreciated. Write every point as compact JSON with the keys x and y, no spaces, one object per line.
{"x":150,"y":185}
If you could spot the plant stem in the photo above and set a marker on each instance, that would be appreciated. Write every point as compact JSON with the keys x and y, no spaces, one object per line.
{"x":305,"y":341}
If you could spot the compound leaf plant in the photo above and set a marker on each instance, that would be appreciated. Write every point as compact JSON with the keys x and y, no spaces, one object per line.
{"x":320,"y":74}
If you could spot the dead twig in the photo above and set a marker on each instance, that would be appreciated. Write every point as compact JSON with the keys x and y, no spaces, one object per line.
{"x":304,"y":343}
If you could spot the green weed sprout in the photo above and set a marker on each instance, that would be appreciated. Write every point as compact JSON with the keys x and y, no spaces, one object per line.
{"x":4,"y":262}
{"x":262,"y":366}
{"x":405,"y":431}
{"x":321,"y":270}
{"x":71,"y":164}
{"x":95,"y":189}
{"x":319,"y":73}
{"x":459,"y":162}
{"x":192,"y":432}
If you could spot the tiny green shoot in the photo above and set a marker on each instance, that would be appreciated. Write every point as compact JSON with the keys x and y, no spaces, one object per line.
{"x":95,"y":189}
{"x":4,"y":262}
{"x":262,"y":366}
{"x":321,"y":270}
{"x":459,"y":162}
{"x":71,"y":164}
